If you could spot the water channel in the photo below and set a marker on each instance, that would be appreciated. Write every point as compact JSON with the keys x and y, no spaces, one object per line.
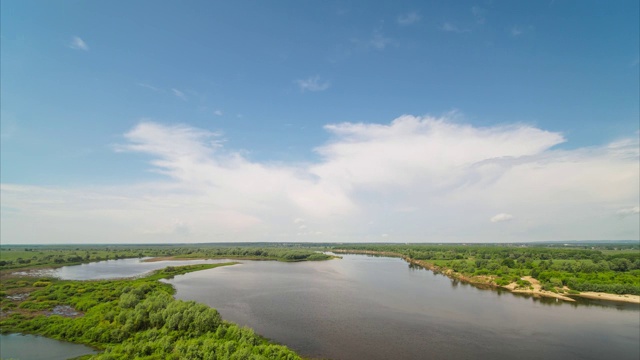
{"x":122,"y":268}
{"x":29,"y":347}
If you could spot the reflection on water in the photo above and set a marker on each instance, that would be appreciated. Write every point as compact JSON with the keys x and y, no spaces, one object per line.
{"x":378,"y":308}
{"x":29,"y":347}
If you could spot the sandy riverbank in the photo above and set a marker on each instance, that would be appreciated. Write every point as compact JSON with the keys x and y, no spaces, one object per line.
{"x":513,"y":287}
{"x":536,"y":291}
{"x":610,"y":297}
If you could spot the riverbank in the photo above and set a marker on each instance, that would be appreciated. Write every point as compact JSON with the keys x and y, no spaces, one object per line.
{"x":489,"y":280}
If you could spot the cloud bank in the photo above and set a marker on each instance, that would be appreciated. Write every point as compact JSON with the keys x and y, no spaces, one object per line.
{"x":415,"y":179}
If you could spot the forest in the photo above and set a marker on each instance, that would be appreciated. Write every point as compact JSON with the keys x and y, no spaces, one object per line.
{"x":595,"y":268}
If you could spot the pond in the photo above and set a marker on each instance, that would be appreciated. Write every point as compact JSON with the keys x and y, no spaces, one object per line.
{"x":362,"y":307}
{"x":29,"y":347}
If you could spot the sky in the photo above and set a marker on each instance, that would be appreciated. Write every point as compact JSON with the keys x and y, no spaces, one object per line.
{"x":319,"y":121}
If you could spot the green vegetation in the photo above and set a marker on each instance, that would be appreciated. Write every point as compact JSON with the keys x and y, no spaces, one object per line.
{"x":130,"y":319}
{"x":14,"y":256}
{"x":140,"y":319}
{"x":579,"y":269}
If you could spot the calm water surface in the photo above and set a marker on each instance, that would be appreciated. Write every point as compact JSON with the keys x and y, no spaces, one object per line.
{"x":379,"y":308}
{"x":29,"y":347}
{"x":122,"y":268}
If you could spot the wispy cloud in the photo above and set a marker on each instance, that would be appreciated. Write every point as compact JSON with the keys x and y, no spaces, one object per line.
{"x":179,"y":94}
{"x":147,"y":86}
{"x":312,"y":83}
{"x":449,"y":27}
{"x":379,"y":41}
{"x":217,"y":112}
{"x":501,"y":218}
{"x":171,"y":91}
{"x":516,"y":31}
{"x":409,"y":18}
{"x":78,"y":44}
{"x":479,"y":14}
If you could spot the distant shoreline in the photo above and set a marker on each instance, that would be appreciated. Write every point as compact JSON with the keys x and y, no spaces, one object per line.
{"x":488,"y":280}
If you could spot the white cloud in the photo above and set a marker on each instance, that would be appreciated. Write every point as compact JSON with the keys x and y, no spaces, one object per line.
{"x":434,"y":178}
{"x":409,"y":18}
{"x":78,"y":44}
{"x":501,"y":218}
{"x":413,"y":149}
{"x":312,"y":83}
{"x":179,"y":94}
{"x":449,"y":27}
{"x":217,"y":112}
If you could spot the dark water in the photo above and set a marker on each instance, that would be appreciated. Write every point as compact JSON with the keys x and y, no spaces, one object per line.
{"x":112,"y":269}
{"x":29,"y":347}
{"x":379,"y":308}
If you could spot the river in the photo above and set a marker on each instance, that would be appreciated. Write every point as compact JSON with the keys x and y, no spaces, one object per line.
{"x":363,"y":307}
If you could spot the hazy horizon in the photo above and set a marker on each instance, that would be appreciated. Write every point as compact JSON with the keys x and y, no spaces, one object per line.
{"x":259,"y":243}
{"x":337,"y":122}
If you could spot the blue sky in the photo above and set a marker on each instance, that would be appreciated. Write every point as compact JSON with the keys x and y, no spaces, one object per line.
{"x":118,"y":112}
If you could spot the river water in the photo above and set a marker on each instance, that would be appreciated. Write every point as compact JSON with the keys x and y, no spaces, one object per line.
{"x":29,"y":347}
{"x":122,"y":268}
{"x":362,"y":307}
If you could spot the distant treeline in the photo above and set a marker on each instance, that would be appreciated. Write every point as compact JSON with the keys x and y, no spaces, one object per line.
{"x":24,"y":256}
{"x":612,"y":271}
